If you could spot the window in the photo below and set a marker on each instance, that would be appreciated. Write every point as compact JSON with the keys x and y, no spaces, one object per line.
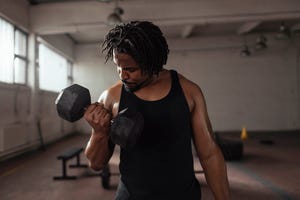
{"x":13,"y":51}
{"x":55,"y":71}
{"x":20,"y":59}
{"x":6,"y":51}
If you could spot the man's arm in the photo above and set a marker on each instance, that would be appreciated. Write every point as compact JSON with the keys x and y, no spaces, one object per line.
{"x":99,"y":148}
{"x":208,"y":151}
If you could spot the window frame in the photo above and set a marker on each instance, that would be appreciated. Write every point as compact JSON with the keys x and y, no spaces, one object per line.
{"x":24,"y":58}
{"x":70,"y":64}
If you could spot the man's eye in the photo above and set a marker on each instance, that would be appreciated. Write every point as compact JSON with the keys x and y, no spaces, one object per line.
{"x":131,"y":70}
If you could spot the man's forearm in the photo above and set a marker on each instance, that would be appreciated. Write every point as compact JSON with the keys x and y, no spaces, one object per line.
{"x":99,"y":150}
{"x":216,"y":175}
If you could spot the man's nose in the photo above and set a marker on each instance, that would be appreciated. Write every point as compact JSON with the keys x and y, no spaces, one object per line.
{"x":123,"y":75}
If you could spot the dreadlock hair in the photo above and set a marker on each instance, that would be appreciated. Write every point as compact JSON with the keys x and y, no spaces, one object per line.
{"x":142,"y":40}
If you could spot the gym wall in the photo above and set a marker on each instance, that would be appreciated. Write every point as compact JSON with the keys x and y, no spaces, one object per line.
{"x":22,"y":106}
{"x":260,"y":92}
{"x":91,"y":72}
{"x":16,"y":11}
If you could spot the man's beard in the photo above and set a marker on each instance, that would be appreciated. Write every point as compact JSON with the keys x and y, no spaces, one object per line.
{"x":136,"y":87}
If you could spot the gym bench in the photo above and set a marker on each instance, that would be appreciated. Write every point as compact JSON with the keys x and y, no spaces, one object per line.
{"x":64,"y":157}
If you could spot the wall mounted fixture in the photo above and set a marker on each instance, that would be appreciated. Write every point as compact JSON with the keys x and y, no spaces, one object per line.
{"x":261,"y":43}
{"x":245,"y":50}
{"x":284,"y":32}
{"x":115,"y":18}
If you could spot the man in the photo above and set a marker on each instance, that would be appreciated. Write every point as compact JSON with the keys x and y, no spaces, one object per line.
{"x":160,"y":165}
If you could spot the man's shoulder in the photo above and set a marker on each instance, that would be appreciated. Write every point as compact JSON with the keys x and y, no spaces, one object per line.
{"x":192,"y":91}
{"x":111,"y":95}
{"x":187,"y":84}
{"x":115,"y":90}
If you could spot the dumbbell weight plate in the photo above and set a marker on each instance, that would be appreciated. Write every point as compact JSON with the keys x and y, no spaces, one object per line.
{"x":126,"y":127}
{"x":72,"y":101}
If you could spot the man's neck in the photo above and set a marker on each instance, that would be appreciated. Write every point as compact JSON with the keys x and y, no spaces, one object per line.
{"x":148,"y":82}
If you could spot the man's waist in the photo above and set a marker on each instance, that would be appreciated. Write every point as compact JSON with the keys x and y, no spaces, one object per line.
{"x":161,"y":187}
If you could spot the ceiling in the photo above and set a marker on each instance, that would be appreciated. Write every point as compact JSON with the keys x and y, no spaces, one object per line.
{"x":85,"y":21}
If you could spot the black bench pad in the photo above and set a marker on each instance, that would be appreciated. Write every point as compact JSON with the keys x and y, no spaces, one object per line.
{"x":64,"y":157}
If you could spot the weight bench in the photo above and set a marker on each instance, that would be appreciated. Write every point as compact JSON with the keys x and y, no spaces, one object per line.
{"x":65,"y":156}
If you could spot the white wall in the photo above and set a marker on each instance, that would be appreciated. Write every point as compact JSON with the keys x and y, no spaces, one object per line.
{"x":19,"y":116}
{"x":16,"y":11}
{"x":91,"y":72}
{"x":63,"y":44}
{"x":22,"y":106}
{"x":260,"y":92}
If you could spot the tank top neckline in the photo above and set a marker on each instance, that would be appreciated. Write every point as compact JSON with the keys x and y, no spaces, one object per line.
{"x":164,"y":97}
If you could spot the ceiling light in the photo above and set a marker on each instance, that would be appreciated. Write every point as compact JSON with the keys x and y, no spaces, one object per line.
{"x":245,"y":50}
{"x":261,"y":43}
{"x":284,"y":32}
{"x":115,"y":17}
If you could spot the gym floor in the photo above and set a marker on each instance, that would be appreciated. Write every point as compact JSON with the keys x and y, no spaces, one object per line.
{"x":267,"y":171}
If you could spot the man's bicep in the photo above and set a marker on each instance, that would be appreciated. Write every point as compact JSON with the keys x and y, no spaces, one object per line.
{"x":204,"y":142}
{"x":110,"y":102}
{"x":106,"y":100}
{"x":103,"y":97}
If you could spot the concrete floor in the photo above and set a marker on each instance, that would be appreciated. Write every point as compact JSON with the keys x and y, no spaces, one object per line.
{"x":266,"y":172}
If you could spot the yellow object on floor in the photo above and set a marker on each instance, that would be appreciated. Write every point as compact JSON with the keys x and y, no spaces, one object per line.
{"x":244,"y":134}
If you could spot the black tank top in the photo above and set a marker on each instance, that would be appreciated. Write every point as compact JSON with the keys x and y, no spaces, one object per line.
{"x":160,"y":166}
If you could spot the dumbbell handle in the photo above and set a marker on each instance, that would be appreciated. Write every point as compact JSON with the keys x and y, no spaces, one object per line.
{"x":121,"y":112}
{"x":112,"y":120}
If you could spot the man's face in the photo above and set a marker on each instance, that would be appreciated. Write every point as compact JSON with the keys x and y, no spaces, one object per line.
{"x":129,"y":71}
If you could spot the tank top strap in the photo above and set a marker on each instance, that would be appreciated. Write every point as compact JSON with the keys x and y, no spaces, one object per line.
{"x":176,"y":87}
{"x":174,"y":76}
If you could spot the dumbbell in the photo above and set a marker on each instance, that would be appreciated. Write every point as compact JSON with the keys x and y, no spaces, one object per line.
{"x":126,"y":127}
